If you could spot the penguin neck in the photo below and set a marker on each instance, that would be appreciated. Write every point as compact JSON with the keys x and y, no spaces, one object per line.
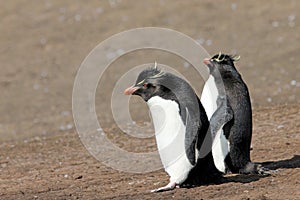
{"x":163,"y":105}
{"x":163,"y":96}
{"x":227,"y":74}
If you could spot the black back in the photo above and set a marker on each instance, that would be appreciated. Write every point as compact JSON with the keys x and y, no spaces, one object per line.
{"x":238,"y":130}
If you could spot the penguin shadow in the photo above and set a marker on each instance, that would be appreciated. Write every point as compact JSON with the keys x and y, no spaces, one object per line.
{"x":291,"y":163}
{"x":271,"y":167}
{"x":241,"y":178}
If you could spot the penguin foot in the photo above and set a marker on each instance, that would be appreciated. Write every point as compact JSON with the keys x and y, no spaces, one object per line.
{"x":254,"y":168}
{"x":265,"y":171}
{"x":170,"y":186}
{"x":249,"y":168}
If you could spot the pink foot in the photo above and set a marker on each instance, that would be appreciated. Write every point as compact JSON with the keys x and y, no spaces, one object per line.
{"x":170,"y":186}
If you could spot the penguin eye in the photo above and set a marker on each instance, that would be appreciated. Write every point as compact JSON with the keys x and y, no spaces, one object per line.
{"x":145,"y":85}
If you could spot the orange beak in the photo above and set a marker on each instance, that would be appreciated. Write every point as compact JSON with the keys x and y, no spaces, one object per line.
{"x":206,"y":61}
{"x":131,"y":90}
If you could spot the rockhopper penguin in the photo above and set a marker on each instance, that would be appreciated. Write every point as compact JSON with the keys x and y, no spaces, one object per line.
{"x":231,"y":121}
{"x":180,"y":124}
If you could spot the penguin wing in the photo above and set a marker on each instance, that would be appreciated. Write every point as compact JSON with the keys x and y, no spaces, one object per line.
{"x":191,"y":134}
{"x":221,"y":116}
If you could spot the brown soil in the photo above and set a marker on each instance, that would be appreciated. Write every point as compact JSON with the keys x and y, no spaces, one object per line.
{"x":42,"y":46}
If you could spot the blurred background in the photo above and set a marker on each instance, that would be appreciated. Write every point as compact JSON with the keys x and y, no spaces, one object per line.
{"x":42,"y":44}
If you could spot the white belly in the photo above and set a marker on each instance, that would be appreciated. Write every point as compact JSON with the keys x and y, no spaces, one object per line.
{"x":220,"y":146}
{"x":170,"y":137}
{"x":209,"y":96}
{"x":220,"y":149}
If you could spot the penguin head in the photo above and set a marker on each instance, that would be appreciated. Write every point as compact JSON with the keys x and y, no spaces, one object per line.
{"x":221,"y":63}
{"x":224,"y":59}
{"x":148,"y":84}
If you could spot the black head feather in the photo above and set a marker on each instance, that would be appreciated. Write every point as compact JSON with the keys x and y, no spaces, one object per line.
{"x":147,"y":74}
{"x":150,"y":82}
{"x":225,"y":59}
{"x":222,"y":66}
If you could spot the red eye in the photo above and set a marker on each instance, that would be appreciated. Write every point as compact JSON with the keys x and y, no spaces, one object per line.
{"x":145,"y":85}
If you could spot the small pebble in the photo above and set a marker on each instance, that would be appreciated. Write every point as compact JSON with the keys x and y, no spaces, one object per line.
{"x":69,"y":126}
{"x":62,"y":128}
{"x":233,"y":6}
{"x":293,"y":82}
{"x":291,"y":18}
{"x":200,"y":41}
{"x":110,"y":55}
{"x":208,"y":42}
{"x":43,"y":41}
{"x":275,"y":24}
{"x":120,"y":52}
{"x":36,"y":86}
{"x":65,"y":113}
{"x":186,"y":64}
{"x":280,"y":126}
{"x":44,"y":74}
{"x":77,"y":17}
{"x":99,"y":10}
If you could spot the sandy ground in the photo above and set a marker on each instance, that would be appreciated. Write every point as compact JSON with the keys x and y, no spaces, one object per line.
{"x":42,"y":44}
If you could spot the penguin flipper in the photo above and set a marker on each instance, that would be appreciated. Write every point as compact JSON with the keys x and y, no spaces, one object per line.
{"x":191,"y":133}
{"x":220,"y":119}
{"x":221,"y":116}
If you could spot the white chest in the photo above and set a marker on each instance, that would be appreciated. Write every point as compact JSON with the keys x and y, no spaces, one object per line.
{"x":170,"y":137}
{"x":209,"y":96}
